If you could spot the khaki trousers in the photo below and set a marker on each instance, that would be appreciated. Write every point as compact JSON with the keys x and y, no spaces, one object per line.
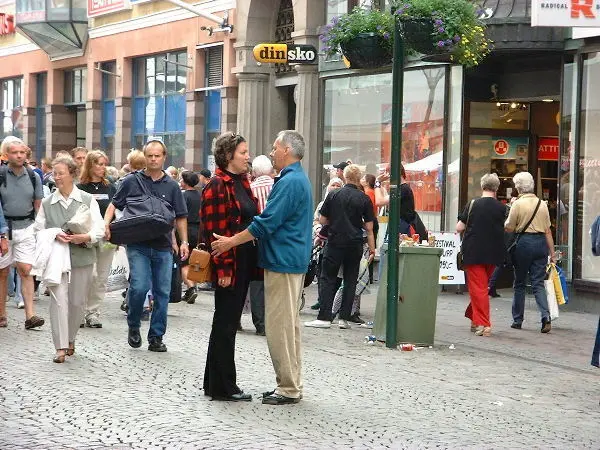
{"x":282,"y":326}
{"x":67,"y":305}
{"x":104,"y":259}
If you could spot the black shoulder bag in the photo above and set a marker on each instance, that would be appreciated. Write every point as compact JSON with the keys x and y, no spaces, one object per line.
{"x":515,"y":239}
{"x":145,"y":217}
{"x":459,"y":255}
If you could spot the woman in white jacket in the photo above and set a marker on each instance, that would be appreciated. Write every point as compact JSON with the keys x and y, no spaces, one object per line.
{"x":68,"y":299}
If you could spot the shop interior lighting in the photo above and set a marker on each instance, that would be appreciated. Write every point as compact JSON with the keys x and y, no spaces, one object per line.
{"x":511,"y":106}
{"x":548,"y":100}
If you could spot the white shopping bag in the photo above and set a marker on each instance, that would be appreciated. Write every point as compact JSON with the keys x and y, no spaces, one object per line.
{"x":119,"y":272}
{"x":551,"y":296}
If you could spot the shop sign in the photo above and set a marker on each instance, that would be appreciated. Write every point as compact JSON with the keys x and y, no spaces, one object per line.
{"x":283,"y":53}
{"x":565,"y":13}
{"x":548,"y":149}
{"x":501,"y":147}
{"x":7,"y":24}
{"x":100,"y":7}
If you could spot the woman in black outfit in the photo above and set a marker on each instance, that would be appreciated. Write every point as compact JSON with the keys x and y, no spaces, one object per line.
{"x":228,"y":207}
{"x":407,"y":199}
{"x":192,"y":199}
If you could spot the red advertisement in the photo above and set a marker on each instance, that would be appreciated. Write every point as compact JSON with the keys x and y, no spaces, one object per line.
{"x":99,"y":7}
{"x":548,"y":149}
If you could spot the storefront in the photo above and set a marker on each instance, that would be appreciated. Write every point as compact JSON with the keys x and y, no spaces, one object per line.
{"x":116,"y":77}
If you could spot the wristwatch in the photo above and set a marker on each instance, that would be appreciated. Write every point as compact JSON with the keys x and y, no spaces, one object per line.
{"x":185,"y":242}
{"x":377,"y":184}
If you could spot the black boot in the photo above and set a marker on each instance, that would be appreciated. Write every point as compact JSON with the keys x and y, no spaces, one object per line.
{"x":134,"y":339}
{"x":155,"y":344}
{"x":493,"y":293}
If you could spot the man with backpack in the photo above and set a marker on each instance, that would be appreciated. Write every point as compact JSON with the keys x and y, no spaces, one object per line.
{"x":21,"y":195}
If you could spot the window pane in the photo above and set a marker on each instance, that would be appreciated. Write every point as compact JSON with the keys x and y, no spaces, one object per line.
{"x":139,"y":87}
{"x":139,"y":114}
{"x":160,"y":74}
{"x":589,"y":169}
{"x":181,"y":71}
{"x":567,"y":205}
{"x":76,"y":95}
{"x":452,"y":186}
{"x":176,"y":150}
{"x":336,"y":8}
{"x":171,"y":75}
{"x":109,"y":81}
{"x":69,"y":86}
{"x":83,"y":96}
{"x":108,"y":118}
{"x":175,"y":113}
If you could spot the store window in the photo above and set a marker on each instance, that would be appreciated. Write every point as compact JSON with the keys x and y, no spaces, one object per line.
{"x":11,"y":99}
{"x":40,"y":116}
{"x":363,"y":135}
{"x":587,"y":266}
{"x":75,"y":85}
{"x":108,"y":108}
{"x":159,"y":102}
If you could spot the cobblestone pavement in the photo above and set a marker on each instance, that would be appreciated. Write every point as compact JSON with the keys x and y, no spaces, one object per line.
{"x":517,"y":389}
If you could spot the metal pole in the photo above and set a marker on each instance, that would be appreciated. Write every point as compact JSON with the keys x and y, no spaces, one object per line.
{"x":221,"y":21}
{"x":391,"y":335}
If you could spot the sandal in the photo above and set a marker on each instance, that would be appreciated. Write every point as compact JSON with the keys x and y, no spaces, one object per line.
{"x":59,"y":358}
{"x":3,"y":322}
{"x":71,"y":350}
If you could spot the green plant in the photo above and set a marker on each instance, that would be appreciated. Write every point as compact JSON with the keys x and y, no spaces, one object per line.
{"x":457,"y":28}
{"x":345,"y":28}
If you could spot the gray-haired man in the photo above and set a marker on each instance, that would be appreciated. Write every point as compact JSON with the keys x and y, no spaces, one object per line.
{"x":21,"y":196}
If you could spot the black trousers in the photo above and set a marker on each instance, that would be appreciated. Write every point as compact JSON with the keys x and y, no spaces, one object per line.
{"x":220,"y":372}
{"x":333,"y":258}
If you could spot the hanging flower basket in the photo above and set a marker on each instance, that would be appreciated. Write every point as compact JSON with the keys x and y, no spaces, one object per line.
{"x":418,"y":34}
{"x":366,"y":51}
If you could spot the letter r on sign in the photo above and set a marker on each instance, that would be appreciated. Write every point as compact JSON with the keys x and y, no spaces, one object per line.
{"x":582,"y":7}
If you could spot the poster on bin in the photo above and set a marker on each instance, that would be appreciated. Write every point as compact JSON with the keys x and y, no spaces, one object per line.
{"x":450,"y":244}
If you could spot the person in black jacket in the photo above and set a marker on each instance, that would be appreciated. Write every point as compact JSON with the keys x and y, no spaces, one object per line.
{"x":192,"y":198}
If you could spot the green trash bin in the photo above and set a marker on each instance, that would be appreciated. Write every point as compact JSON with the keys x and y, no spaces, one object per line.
{"x":418,"y":288}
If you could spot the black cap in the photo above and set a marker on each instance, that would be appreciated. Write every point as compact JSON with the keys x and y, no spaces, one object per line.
{"x":341,"y":165}
{"x":205,"y":173}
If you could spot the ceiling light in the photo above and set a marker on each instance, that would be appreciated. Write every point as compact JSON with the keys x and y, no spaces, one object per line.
{"x":509,"y":120}
{"x":548,"y":100}
{"x":513,"y":105}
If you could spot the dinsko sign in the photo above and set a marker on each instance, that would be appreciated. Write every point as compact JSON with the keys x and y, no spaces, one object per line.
{"x":565,"y":13}
{"x":284,"y":53}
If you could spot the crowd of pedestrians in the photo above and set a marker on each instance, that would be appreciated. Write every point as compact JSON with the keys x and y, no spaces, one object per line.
{"x":57,"y":227}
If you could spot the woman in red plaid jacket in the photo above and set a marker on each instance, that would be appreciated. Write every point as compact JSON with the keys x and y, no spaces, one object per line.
{"x":228,"y":207}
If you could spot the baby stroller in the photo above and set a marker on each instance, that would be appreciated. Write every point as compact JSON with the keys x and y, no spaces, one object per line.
{"x":314,"y":267}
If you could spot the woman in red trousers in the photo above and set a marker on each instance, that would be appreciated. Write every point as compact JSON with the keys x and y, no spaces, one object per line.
{"x":482,"y":222}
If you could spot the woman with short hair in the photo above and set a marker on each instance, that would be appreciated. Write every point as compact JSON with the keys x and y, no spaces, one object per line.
{"x":228,"y":207}
{"x":68,"y":299}
{"x":94,"y":181}
{"x":482,"y":222}
{"x":534,"y":246}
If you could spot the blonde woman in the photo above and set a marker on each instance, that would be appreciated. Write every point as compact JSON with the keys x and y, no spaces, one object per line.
{"x":68,"y":298}
{"x":94,"y":181}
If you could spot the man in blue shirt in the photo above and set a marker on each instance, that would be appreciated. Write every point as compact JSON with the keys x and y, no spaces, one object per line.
{"x":284,"y":232}
{"x":151,"y":261}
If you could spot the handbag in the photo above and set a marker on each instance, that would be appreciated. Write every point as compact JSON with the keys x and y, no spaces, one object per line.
{"x":459,"y":255}
{"x":200,"y":268}
{"x":145,"y":217}
{"x":515,"y":239}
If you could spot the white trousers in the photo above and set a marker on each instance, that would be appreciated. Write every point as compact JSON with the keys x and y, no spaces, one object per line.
{"x":67,"y":305}
{"x":104,"y":258}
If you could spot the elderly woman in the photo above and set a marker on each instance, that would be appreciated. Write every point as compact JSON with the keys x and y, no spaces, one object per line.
{"x":94,"y":180}
{"x":228,"y":207}
{"x":482,"y":222}
{"x":530,"y":220}
{"x":68,"y":299}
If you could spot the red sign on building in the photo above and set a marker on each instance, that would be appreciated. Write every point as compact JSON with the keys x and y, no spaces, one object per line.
{"x":99,"y":7}
{"x":548,"y":149}
{"x":7,"y":24}
{"x":501,"y":147}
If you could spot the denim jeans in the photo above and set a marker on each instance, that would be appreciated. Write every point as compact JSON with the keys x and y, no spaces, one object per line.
{"x":530,"y":258}
{"x":149,"y":268}
{"x":14,"y":285}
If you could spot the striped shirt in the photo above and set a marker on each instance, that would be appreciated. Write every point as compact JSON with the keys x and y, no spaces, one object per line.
{"x":261,"y":188}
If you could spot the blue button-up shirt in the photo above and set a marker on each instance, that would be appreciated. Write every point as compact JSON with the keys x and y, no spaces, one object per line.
{"x":3,"y":226}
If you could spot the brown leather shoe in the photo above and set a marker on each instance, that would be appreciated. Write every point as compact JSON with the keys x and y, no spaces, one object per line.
{"x":3,"y":322}
{"x":34,"y":322}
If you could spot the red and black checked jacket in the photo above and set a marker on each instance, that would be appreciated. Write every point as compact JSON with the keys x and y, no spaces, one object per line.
{"x":220,"y":214}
